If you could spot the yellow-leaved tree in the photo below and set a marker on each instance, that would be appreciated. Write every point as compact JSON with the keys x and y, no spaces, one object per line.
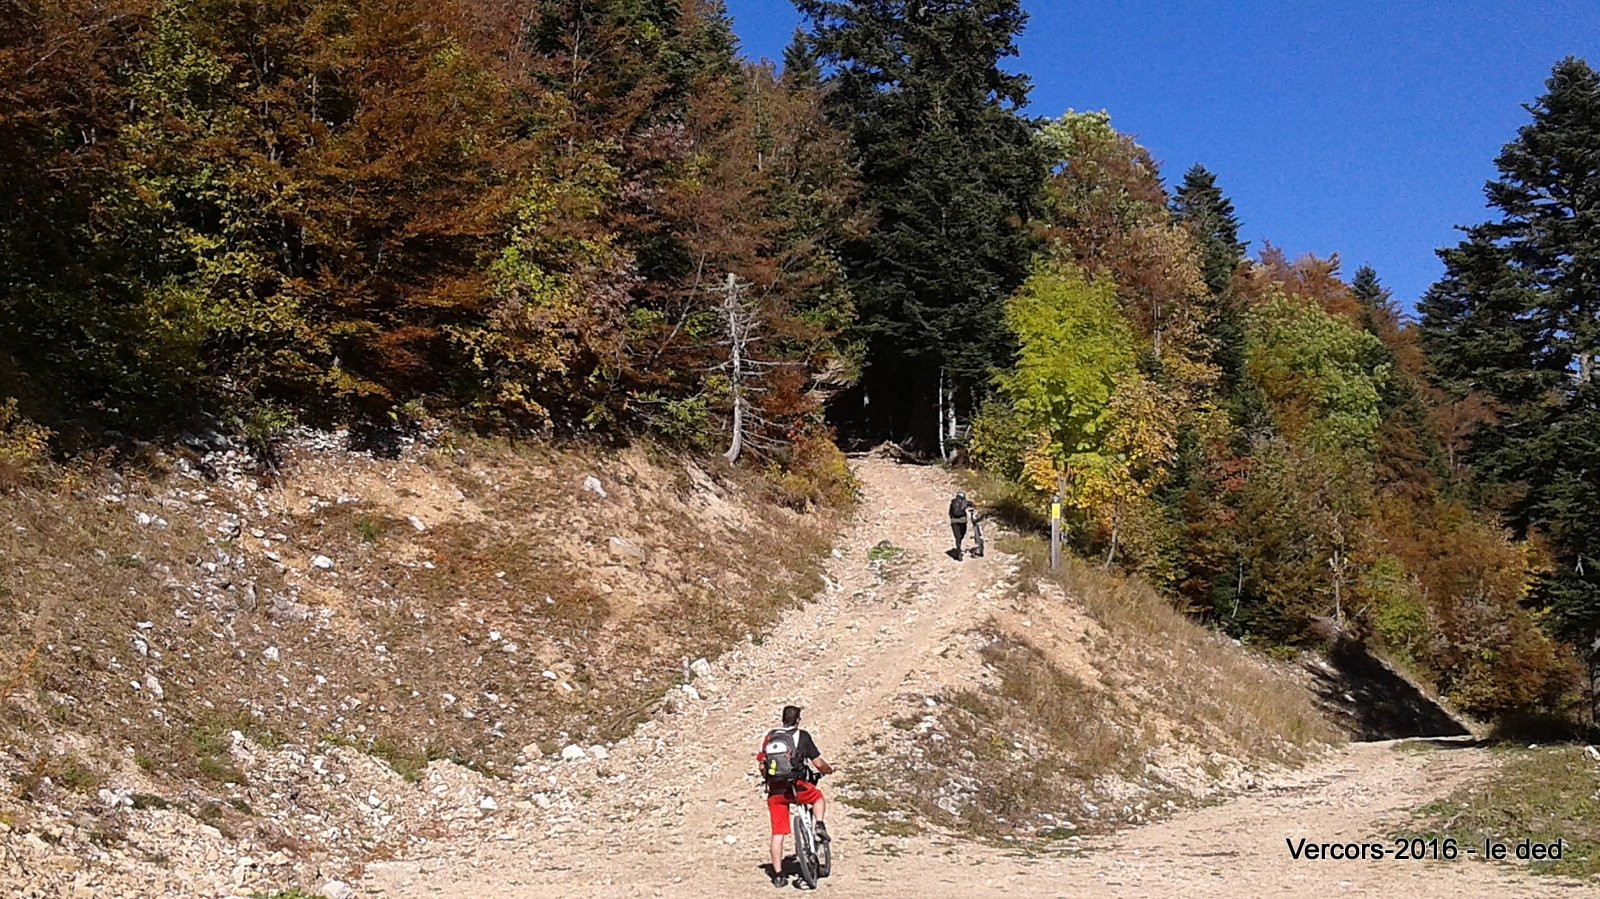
{"x":1078,"y":413}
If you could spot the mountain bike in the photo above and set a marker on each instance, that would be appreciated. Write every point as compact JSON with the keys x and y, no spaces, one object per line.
{"x":813,"y":856}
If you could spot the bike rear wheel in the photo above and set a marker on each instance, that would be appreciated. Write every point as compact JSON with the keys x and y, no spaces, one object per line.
{"x":805,"y":847}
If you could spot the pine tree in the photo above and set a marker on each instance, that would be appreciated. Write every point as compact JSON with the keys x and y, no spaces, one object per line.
{"x":1479,"y":329}
{"x":1209,"y":215}
{"x":1517,"y":317}
{"x":1200,"y":206}
{"x":1377,"y":303}
{"x":800,"y":66}
{"x":1548,"y":195}
{"x":952,"y":174}
{"x":1406,"y":447}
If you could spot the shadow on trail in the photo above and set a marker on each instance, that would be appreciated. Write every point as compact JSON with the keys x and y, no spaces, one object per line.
{"x":791,"y":869}
{"x":1373,"y":701}
{"x":1446,"y":744}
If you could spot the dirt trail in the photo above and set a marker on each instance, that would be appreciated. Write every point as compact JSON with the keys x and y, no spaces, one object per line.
{"x":674,"y":809}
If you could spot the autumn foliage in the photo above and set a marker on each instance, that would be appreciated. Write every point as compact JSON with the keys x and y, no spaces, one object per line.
{"x":569,"y":217}
{"x":1257,"y":435}
{"x":335,"y":210}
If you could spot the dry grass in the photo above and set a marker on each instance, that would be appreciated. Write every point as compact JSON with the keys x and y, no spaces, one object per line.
{"x":1036,"y":743}
{"x":1103,"y":706}
{"x":1219,"y":689}
{"x":418,"y":645}
{"x":1230,"y":694}
{"x":79,"y":578}
{"x":1012,"y":503}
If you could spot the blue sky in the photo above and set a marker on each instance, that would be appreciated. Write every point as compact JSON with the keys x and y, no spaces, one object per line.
{"x":1358,"y":128}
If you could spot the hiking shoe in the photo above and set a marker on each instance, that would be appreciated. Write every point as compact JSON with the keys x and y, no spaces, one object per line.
{"x":822,"y":833}
{"x":780,"y":880}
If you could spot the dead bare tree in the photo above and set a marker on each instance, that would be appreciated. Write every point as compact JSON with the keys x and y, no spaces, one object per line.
{"x":946,"y":417}
{"x":741,"y":318}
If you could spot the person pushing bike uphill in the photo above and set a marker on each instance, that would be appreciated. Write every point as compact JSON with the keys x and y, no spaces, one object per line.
{"x":791,"y":765}
{"x":963,"y":511}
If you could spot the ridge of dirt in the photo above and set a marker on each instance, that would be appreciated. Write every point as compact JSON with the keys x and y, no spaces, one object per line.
{"x":218,"y":683}
{"x":674,"y":809}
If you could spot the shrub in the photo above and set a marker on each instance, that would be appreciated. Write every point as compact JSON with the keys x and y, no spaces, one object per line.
{"x":24,"y":446}
{"x":1398,"y":610}
{"x":1000,"y":440}
{"x":815,"y":473}
{"x":685,"y":422}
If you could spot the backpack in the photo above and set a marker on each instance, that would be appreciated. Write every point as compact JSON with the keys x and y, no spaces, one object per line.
{"x":780,"y":756}
{"x":958,"y":509}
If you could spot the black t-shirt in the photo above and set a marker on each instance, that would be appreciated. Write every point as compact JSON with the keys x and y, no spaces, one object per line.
{"x":808,"y":749}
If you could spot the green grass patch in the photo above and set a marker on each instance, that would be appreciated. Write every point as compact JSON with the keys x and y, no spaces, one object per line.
{"x":410,"y":760}
{"x":872,"y":804}
{"x":142,"y":801}
{"x":208,"y":746}
{"x":369,"y":528}
{"x":884,"y":827}
{"x":885,"y":551}
{"x":406,"y":761}
{"x":1542,"y":795}
{"x":79,"y":777}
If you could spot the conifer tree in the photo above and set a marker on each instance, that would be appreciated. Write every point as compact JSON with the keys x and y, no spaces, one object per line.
{"x":1517,"y":317}
{"x":800,"y":61}
{"x":950,"y":171}
{"x":1375,"y":300}
{"x":1200,"y":204}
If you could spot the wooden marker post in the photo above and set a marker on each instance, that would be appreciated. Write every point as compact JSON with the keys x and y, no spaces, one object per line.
{"x":1055,"y":532}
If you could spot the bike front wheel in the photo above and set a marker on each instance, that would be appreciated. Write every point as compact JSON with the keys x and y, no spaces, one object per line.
{"x":805,"y":848}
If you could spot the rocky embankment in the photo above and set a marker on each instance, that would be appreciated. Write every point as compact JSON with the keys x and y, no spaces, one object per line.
{"x":220,"y":680}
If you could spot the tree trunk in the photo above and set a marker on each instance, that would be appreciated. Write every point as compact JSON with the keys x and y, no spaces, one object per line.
{"x":944,"y":452}
{"x":737,"y":446}
{"x":1337,"y":564}
{"x":737,"y":333}
{"x":1594,"y":682}
{"x":1116,"y":527}
{"x":951,"y":405}
{"x":1238,"y":590}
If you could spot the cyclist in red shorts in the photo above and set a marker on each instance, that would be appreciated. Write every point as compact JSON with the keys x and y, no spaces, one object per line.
{"x":808,"y":767}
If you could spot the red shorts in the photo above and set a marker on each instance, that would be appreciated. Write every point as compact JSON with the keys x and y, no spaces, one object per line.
{"x":778,"y":805}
